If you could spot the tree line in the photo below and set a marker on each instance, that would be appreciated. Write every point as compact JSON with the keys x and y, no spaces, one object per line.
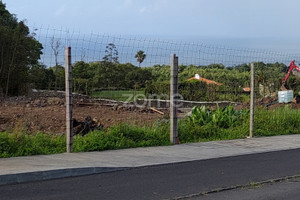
{"x":19,"y":50}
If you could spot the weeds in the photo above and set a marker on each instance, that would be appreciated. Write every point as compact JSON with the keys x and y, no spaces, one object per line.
{"x":280,"y":121}
{"x":117,"y":137}
{"x":122,"y":136}
{"x":221,"y":117}
{"x":21,"y":144}
{"x":205,"y":124}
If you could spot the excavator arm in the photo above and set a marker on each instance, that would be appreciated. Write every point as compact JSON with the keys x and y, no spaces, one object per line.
{"x":291,"y":67}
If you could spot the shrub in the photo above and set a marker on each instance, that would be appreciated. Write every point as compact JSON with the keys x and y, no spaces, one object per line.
{"x":21,"y":144}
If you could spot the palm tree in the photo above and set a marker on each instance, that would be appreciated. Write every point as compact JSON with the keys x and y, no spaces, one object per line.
{"x":140,"y":56}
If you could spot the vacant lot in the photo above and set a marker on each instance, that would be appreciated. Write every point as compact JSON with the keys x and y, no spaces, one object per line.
{"x":48,"y":114}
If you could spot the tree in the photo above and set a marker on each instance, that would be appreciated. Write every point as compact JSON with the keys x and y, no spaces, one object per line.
{"x":83,"y":76}
{"x":55,"y":45}
{"x":59,"y":72}
{"x":112,"y":55}
{"x":137,"y":77}
{"x":261,"y":76}
{"x":216,"y":66}
{"x":18,"y":51}
{"x":140,"y":56}
{"x":80,"y":70}
{"x":40,"y":77}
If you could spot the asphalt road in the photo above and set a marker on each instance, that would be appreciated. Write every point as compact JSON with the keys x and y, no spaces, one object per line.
{"x":289,"y":190}
{"x":164,"y":181}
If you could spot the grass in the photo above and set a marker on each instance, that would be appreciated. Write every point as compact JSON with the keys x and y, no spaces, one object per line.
{"x":230,"y":124}
{"x":123,"y":136}
{"x":279,"y":121}
{"x":118,"y":95}
{"x":116,"y":137}
{"x":22,"y":144}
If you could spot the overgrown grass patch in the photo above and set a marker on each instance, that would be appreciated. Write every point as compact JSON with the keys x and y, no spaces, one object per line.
{"x":123,"y":136}
{"x":225,"y":124}
{"x":116,"y":137}
{"x":279,"y":121}
{"x":22,"y":144}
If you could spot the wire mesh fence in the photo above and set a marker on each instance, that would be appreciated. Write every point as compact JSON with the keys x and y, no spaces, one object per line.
{"x":92,"y":47}
{"x":125,"y":79}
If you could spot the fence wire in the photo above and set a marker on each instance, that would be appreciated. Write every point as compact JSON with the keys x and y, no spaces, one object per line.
{"x":91,"y":47}
{"x":105,"y":67}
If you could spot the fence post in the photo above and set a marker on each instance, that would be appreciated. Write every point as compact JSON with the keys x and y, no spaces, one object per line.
{"x":252,"y":101}
{"x":69,"y":119}
{"x":173,"y":99}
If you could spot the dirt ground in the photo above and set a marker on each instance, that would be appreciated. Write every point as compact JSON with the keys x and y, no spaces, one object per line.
{"x":48,"y":114}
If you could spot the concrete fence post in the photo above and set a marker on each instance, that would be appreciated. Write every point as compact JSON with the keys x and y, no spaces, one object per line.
{"x":173,"y":99}
{"x":69,"y":105}
{"x":252,"y":100}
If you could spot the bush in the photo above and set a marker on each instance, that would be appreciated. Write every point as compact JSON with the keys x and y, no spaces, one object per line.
{"x":198,"y":91}
{"x":123,"y":136}
{"x":205,"y":124}
{"x":21,"y":144}
{"x":116,"y":137}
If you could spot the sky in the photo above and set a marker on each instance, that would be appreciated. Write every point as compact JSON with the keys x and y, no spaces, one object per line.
{"x":268,"y":24}
{"x":209,"y":18}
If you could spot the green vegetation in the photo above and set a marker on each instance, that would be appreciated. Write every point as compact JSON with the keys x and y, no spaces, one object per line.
{"x":221,"y":117}
{"x":279,"y":121}
{"x":198,"y":91}
{"x":22,"y":144}
{"x":140,"y":57}
{"x":202,"y":125}
{"x":105,"y":75}
{"x":116,"y":137}
{"x":219,"y":124}
{"x":20,"y":70}
{"x":123,"y":136}
{"x":18,"y":52}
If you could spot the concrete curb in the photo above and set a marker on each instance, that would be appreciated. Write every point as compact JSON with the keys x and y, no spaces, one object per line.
{"x":54,"y":174}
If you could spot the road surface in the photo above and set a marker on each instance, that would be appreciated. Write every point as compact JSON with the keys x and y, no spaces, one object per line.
{"x":289,"y":190}
{"x":169,"y":181}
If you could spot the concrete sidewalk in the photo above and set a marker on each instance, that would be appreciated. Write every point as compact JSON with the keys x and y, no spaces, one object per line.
{"x":44,"y":167}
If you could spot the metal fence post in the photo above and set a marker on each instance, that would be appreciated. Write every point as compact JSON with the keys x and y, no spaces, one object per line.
{"x":69,"y":119}
{"x":173,"y":99}
{"x":252,"y":101}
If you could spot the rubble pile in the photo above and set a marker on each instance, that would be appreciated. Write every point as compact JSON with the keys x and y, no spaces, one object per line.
{"x":88,"y":125}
